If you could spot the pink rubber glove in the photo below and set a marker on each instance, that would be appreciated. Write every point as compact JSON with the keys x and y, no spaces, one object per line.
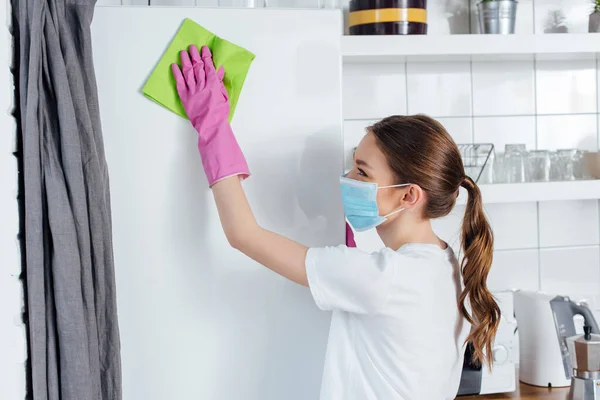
{"x":206,"y":104}
{"x":349,"y":236}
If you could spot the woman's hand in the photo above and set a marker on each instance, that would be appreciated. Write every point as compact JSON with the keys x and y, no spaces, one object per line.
{"x":204,"y":98}
{"x":205,"y":101}
{"x":201,"y":89}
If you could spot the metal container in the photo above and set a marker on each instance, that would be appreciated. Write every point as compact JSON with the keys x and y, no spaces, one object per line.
{"x":387,"y":17}
{"x":497,"y":16}
{"x":585,"y":382}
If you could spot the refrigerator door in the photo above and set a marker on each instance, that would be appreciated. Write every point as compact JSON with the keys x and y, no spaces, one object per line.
{"x":198,"y":319}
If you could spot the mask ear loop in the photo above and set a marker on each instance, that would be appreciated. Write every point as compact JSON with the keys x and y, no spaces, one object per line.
{"x":393,"y":186}
{"x":394,"y":212}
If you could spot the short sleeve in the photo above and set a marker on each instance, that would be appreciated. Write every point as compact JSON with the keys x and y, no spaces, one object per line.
{"x":349,"y":279}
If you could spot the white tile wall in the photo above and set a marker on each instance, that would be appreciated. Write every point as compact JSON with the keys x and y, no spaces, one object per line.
{"x":567,"y":131}
{"x":503,"y":88}
{"x":383,"y":84}
{"x":505,"y":130}
{"x":439,"y":89}
{"x":515,"y":226}
{"x":566,"y":87}
{"x":514,"y":270}
{"x":460,"y":128}
{"x":503,"y":218}
{"x":448,"y":228}
{"x":569,"y":223}
{"x":570,"y":270}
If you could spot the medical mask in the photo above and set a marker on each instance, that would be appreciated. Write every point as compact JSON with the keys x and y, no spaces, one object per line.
{"x":360,"y":203}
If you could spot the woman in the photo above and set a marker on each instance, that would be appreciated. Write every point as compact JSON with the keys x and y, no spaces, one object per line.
{"x":402,"y":315}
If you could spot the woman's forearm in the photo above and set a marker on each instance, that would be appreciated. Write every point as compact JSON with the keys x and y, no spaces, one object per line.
{"x":236,"y":216}
{"x":276,"y":252}
{"x":204,"y":97}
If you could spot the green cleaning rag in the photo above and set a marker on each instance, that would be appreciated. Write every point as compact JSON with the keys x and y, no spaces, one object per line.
{"x":236,"y":60}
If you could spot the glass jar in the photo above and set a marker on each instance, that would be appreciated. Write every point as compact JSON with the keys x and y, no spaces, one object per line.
{"x":539,"y":165}
{"x":581,"y":170}
{"x":499,"y":175}
{"x":515,"y":163}
{"x":567,"y":159}
{"x":555,"y":174}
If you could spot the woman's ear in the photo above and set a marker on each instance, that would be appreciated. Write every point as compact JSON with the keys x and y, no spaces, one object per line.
{"x":412,"y":196}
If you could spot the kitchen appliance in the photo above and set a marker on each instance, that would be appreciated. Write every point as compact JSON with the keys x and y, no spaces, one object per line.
{"x":477,"y":379}
{"x":242,"y":318}
{"x":585,"y":359}
{"x":545,"y":322}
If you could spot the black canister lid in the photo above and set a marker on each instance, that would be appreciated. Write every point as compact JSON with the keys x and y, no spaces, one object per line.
{"x":357,"y":5}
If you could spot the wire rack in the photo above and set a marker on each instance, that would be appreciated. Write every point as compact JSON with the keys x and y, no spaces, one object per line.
{"x":477,"y":159}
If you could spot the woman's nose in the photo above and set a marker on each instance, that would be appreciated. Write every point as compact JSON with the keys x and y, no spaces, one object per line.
{"x":351,"y":174}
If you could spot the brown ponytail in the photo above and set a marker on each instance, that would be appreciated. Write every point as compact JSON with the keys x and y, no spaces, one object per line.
{"x":477,"y":244}
{"x":420,"y":151}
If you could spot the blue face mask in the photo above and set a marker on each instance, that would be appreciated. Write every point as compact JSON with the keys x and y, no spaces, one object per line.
{"x":360,"y":203}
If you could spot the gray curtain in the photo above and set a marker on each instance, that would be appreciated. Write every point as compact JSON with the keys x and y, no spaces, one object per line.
{"x":73,"y":336}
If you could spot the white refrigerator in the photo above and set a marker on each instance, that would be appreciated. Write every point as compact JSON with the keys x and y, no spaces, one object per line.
{"x":198,"y":319}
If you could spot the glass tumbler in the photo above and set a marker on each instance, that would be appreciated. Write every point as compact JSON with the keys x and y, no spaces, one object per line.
{"x":515,"y":163}
{"x":555,"y":174}
{"x":581,"y":170}
{"x":499,"y":175}
{"x":539,"y":165}
{"x":567,"y":159}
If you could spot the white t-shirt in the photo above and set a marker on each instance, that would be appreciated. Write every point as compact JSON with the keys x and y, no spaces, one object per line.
{"x":396,"y":330}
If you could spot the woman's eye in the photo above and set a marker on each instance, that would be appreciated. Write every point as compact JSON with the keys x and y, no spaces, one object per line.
{"x":361,"y":172}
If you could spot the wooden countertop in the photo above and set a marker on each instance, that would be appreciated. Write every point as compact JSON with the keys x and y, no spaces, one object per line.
{"x":525,"y":392}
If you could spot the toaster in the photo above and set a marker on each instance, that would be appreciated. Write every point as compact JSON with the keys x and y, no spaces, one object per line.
{"x":479,"y":379}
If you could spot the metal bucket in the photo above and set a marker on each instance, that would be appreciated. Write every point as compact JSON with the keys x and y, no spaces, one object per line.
{"x":497,"y":16}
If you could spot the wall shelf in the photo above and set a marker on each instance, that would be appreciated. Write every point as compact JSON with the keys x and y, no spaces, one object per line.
{"x":543,"y":191}
{"x":370,"y":49}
